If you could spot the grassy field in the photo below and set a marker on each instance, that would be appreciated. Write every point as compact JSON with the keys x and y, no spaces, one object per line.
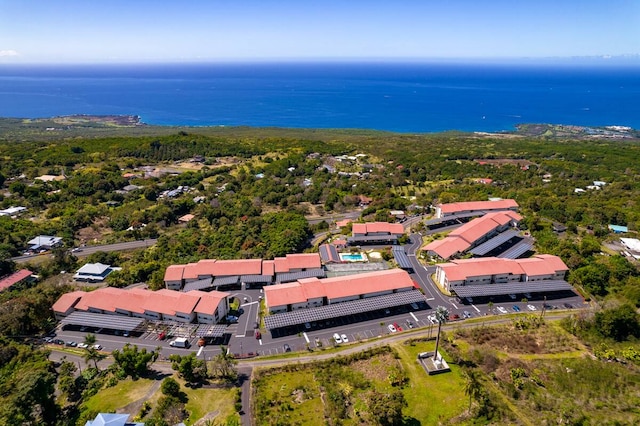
{"x":300,"y":394}
{"x":206,"y":400}
{"x":125,"y":392}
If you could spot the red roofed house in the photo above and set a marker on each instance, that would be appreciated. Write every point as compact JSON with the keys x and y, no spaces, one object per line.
{"x":173,"y":277}
{"x":492,"y":270}
{"x":313,"y":292}
{"x":212,"y":307}
{"x":65,"y":305}
{"x":15,"y":278}
{"x":450,"y":209}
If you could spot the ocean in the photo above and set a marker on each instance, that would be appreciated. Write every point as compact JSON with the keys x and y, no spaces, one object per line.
{"x":401,"y":97}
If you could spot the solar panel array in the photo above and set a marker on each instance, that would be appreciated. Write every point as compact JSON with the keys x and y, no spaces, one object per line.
{"x":256,"y":278}
{"x":516,"y":251}
{"x":329,"y":253}
{"x":301,"y":316}
{"x":207,"y":330}
{"x":287,"y":277}
{"x":494,"y":242}
{"x":511,"y":288}
{"x":218,"y":281}
{"x":372,"y":238}
{"x":113,"y":322}
{"x":198,"y":285}
{"x":401,"y":258}
{"x":452,"y":217}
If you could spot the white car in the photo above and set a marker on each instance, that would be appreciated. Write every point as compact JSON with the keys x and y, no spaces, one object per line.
{"x":432,"y":319}
{"x":97,"y":347}
{"x":391,"y":328}
{"x":337,"y":338}
{"x":344,"y":338}
{"x":501,"y":310}
{"x":531,"y":307}
{"x":512,"y":296}
{"x":83,"y":345}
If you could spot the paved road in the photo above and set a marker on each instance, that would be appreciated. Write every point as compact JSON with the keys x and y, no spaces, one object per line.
{"x":86,"y":251}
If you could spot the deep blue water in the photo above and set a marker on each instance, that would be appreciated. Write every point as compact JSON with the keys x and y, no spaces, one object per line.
{"x":396,"y":97}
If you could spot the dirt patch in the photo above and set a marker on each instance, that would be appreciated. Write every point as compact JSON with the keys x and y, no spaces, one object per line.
{"x":94,"y":233}
{"x":376,"y":368}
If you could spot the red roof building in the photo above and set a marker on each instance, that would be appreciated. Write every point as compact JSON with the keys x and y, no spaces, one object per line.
{"x":472,"y":234}
{"x":377,"y":228}
{"x":157,"y":305}
{"x":475,"y":206}
{"x":311,"y":292}
{"x":15,"y":278}
{"x":492,"y":270}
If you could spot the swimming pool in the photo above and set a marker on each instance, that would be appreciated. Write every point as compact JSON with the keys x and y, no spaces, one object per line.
{"x":353,"y":257}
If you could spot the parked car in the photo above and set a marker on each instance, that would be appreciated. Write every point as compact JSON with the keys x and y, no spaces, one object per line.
{"x":568,"y":305}
{"x":414,"y":306}
{"x":501,"y":309}
{"x":258,"y":335}
{"x":466,"y":314}
{"x":470,"y":299}
{"x":409,"y":323}
{"x":337,"y":338}
{"x":58,"y":342}
{"x":512,"y":296}
{"x":454,"y":317}
{"x":307,"y":325}
{"x":162,"y":335}
{"x":232,"y":318}
{"x":395,"y":324}
{"x":531,"y":307}
{"x":528,"y":296}
{"x":432,"y":318}
{"x":391,"y":328}
{"x":516,"y":308}
{"x":83,"y":345}
{"x":286,"y":347}
{"x":71,"y":344}
{"x":97,"y":347}
{"x":344,"y":338}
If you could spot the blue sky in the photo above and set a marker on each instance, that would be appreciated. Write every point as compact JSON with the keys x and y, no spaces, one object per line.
{"x":70,"y":31}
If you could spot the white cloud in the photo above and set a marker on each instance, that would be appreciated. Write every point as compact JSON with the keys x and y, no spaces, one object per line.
{"x":8,"y":53}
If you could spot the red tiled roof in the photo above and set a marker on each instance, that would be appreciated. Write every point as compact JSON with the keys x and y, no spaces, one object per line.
{"x":297,"y":261}
{"x":462,"y":269}
{"x":190,"y":271}
{"x":284,"y":294}
{"x":209,"y":301}
{"x":478,"y":205}
{"x":237,"y":267}
{"x":337,"y":287}
{"x":170,"y":302}
{"x":447,"y":247}
{"x":14,"y":278}
{"x":339,"y":242}
{"x":67,"y":301}
{"x":174,"y":273}
{"x":378,"y":227}
{"x":105,"y":299}
{"x":343,"y":222}
{"x":268,"y":267}
{"x":371,"y":282}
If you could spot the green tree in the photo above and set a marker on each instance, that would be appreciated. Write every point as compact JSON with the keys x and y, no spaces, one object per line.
{"x":618,"y":323}
{"x":170,"y":387}
{"x":472,"y":386}
{"x":190,"y":368}
{"x":92,"y":354}
{"x":223,"y":366}
{"x":134,"y":362}
{"x":386,"y":408}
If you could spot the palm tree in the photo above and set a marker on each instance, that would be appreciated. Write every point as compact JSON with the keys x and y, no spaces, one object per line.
{"x":92,"y":354}
{"x":90,"y":339}
{"x":442,"y":314}
{"x":473,"y":387}
{"x":490,"y":306}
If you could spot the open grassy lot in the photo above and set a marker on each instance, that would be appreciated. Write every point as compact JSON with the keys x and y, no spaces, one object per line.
{"x":202,"y":401}
{"x":125,"y":392}
{"x":341,"y":390}
{"x":543,"y":376}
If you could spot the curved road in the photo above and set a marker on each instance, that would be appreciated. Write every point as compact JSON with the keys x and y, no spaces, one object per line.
{"x":86,"y":251}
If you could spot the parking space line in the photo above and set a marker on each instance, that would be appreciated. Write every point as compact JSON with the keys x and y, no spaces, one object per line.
{"x":260,"y":341}
{"x":240,"y":335}
{"x":476,"y":308}
{"x":306,"y":337}
{"x":414,"y":317}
